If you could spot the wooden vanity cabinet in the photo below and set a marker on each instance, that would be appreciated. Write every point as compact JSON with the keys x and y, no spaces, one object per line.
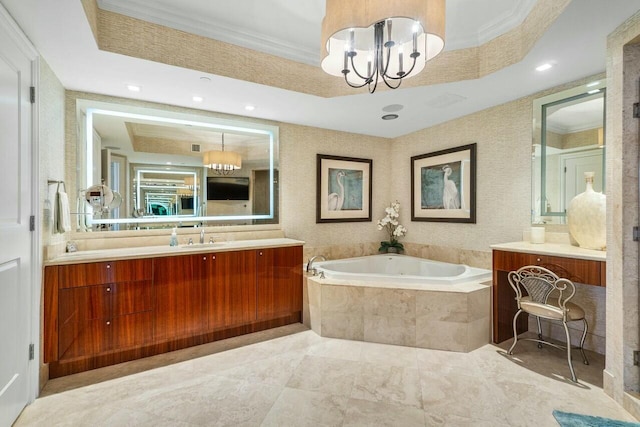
{"x":102,"y":313}
{"x":588,"y":272}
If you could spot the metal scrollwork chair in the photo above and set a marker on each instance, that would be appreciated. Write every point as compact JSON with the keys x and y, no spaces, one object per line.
{"x":547,"y":297}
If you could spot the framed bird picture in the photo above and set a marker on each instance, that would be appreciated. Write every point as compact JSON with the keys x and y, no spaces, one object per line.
{"x":443,"y":185}
{"x":344,"y":188}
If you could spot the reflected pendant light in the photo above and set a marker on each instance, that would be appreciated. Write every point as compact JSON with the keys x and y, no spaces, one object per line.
{"x":367,"y":41}
{"x":222,"y":162}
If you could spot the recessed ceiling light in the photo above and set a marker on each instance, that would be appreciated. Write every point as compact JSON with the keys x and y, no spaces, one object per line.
{"x":134,"y":88}
{"x":390,"y":117}
{"x":592,"y":84}
{"x":544,"y":67}
{"x":168,"y":163}
{"x":591,"y":92}
{"x":198,"y":99}
{"x":250,"y":107}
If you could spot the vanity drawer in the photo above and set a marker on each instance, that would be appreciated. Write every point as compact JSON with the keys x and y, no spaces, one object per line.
{"x":98,"y":273}
{"x":577,"y":270}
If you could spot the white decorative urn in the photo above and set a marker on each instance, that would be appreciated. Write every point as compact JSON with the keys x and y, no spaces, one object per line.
{"x":586,"y":216}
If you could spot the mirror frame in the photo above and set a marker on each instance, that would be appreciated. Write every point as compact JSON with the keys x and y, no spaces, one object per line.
{"x":86,"y":109}
{"x":540,"y":106}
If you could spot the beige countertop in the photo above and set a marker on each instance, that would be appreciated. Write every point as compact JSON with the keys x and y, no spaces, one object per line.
{"x":554,"y":249}
{"x":166,"y":250}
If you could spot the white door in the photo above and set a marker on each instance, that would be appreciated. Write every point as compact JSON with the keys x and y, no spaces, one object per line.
{"x":15,"y":211}
{"x":574,"y":168}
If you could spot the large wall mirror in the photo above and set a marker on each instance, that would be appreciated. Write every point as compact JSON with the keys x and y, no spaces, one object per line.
{"x":146,"y":168}
{"x":568,"y":141}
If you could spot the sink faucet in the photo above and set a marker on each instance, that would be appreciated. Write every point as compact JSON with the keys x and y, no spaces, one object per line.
{"x":202,"y":236}
{"x":313,"y":258}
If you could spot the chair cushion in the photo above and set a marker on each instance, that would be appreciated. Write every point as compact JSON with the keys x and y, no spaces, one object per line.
{"x":551,"y":310}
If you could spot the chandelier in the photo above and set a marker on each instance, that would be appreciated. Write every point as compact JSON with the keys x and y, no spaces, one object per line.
{"x":366,"y":41}
{"x":222,"y":162}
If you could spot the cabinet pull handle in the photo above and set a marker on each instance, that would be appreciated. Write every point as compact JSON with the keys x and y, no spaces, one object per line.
{"x":108,"y":289}
{"x":213,"y":257}
{"x":108,"y":322}
{"x":108,"y":265}
{"x":538,"y":260}
{"x":260,"y":253}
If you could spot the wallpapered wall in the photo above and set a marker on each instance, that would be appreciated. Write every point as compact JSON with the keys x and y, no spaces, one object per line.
{"x":503,"y":135}
{"x":51,"y":158}
{"x":52,"y":147}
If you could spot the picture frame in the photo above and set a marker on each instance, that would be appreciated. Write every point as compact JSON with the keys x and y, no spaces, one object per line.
{"x":443,"y":185}
{"x":343,"y":189}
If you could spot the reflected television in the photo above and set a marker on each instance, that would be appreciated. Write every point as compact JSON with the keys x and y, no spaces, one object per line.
{"x":227,"y":188}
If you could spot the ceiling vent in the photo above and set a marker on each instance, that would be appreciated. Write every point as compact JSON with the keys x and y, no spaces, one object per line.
{"x":445,"y":100}
{"x":195,"y":148}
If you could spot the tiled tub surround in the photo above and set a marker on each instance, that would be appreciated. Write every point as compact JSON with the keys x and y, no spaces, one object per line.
{"x":472,"y":258}
{"x":442,"y":317}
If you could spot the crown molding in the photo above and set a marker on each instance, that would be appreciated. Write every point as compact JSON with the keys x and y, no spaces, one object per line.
{"x":499,"y":25}
{"x":216,"y":30}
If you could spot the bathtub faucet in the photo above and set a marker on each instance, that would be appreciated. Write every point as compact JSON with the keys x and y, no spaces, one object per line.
{"x":313,"y":258}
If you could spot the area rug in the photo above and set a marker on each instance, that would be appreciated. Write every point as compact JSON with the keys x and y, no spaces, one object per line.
{"x":568,"y":419}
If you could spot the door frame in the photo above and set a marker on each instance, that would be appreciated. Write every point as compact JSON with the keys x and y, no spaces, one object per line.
{"x":27,"y":48}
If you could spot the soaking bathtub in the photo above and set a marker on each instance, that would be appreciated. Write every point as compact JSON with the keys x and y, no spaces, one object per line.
{"x":401,"y":300}
{"x":401,"y":269}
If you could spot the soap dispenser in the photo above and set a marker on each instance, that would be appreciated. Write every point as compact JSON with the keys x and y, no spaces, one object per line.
{"x":174,"y":238}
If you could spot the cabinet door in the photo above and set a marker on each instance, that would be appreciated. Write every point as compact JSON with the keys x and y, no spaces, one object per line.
{"x":132,"y":329}
{"x":180,"y":296}
{"x":132,"y":314}
{"x":279,"y":285}
{"x":231,"y":290}
{"x":84,"y":322}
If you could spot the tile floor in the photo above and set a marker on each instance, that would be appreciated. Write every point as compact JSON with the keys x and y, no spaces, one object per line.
{"x":292,"y":377}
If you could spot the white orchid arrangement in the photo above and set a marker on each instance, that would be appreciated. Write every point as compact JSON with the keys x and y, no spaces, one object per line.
{"x":393,"y":227}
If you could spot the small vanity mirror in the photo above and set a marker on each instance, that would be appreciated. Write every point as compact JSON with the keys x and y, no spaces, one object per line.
{"x":176,"y":169}
{"x":568,"y":141}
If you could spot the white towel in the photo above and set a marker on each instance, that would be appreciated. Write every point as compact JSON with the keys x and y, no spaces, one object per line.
{"x":63,"y":213}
